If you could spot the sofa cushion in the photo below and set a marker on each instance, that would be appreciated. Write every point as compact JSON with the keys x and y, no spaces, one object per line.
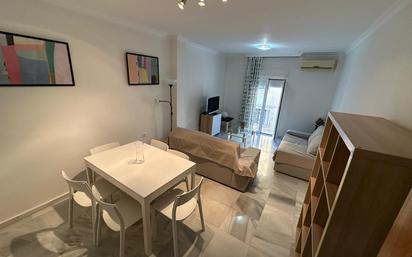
{"x":292,"y":150}
{"x":314,"y":140}
{"x":314,"y":145}
{"x":316,"y":133}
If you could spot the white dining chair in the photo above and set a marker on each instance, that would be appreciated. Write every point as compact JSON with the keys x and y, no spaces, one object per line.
{"x":118,"y":217}
{"x":184,"y":156}
{"x":81,"y":193}
{"x":99,"y":149}
{"x":177,"y":206}
{"x":104,"y":147}
{"x":159,"y":144}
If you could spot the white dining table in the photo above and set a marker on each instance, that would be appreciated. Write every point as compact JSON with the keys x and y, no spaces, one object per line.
{"x":143,"y":182}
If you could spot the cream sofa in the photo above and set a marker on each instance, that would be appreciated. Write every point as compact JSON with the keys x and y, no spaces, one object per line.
{"x":292,"y":157}
{"x":220,"y":160}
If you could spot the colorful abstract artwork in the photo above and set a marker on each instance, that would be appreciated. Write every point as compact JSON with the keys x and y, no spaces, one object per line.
{"x":142,"y":69}
{"x":30,"y":61}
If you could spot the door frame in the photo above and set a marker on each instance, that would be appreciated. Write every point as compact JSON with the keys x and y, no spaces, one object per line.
{"x":263,"y":111}
{"x":280,"y":104}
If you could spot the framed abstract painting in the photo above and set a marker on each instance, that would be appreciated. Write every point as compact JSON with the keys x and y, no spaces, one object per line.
{"x":142,"y":69}
{"x":32,"y":61}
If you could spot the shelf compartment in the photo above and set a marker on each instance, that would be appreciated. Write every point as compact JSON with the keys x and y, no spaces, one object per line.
{"x":307,"y":246}
{"x":316,"y":166}
{"x":330,"y":144}
{"x":331,"y":190}
{"x":326,"y":132}
{"x":299,"y":243}
{"x":305,"y":235}
{"x":317,"y":188}
{"x":317,"y":232}
{"x":307,"y":219}
{"x":339,"y":162}
{"x":314,"y":204}
{"x":322,"y":210}
{"x":299,"y":226}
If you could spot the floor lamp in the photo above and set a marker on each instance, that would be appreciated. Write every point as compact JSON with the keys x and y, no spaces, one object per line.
{"x":171,"y":83}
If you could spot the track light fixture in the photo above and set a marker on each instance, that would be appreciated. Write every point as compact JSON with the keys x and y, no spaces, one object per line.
{"x":202,"y":3}
{"x":181,"y":4}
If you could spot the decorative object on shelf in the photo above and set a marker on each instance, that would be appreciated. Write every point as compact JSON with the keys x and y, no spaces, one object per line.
{"x":170,"y":83}
{"x":202,"y":3}
{"x":142,"y":69}
{"x":32,"y":61}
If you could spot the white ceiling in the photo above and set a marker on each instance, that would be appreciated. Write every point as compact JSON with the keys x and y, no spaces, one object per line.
{"x":236,"y":26}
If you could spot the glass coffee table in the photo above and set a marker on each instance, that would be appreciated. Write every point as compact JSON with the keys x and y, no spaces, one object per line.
{"x":239,"y":135}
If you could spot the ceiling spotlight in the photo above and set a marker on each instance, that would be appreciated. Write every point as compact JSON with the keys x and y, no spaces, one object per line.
{"x":264,"y":47}
{"x":181,"y":4}
{"x":224,"y":1}
{"x":201,"y":3}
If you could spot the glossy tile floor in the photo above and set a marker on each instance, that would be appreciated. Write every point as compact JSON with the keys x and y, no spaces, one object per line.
{"x":259,"y":222}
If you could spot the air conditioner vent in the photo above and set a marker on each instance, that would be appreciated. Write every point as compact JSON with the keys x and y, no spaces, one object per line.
{"x":319,"y":61}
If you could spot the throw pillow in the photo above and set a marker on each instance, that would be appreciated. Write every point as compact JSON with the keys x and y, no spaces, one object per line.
{"x":313,"y":145}
{"x":314,"y":140}
{"x":318,"y":131}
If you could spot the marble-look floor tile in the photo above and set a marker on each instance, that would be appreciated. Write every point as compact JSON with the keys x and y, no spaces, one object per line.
{"x":214,"y":212}
{"x":253,"y":252}
{"x":249,"y":206}
{"x":270,"y":249}
{"x":222,"y":194}
{"x":224,"y":245}
{"x":240,"y":226}
{"x":276,"y":227}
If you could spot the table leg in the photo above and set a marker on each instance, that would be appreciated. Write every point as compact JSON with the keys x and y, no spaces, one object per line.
{"x":147,"y":231}
{"x":90,"y":177}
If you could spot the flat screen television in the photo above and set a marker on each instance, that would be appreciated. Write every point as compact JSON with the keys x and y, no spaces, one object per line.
{"x":213,"y":104}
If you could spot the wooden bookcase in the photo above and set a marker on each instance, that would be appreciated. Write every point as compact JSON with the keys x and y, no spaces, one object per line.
{"x":360,"y":180}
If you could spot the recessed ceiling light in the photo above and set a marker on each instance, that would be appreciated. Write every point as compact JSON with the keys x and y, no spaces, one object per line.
{"x":264,"y":47}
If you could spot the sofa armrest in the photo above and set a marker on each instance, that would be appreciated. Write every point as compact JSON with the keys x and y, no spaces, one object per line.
{"x":300,"y":134}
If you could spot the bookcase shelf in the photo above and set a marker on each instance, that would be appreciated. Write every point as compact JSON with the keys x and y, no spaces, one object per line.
{"x":360,"y":161}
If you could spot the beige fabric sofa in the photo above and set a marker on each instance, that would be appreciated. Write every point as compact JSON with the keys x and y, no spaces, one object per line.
{"x":292,"y":158}
{"x":220,"y":160}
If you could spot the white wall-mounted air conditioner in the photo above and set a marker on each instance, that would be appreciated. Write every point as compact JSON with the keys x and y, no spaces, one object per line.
{"x":319,"y":61}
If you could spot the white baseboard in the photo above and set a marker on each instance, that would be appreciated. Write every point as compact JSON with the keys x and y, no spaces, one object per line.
{"x":33,"y":210}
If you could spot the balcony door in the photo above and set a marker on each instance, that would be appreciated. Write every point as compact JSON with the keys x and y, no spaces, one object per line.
{"x":267,"y":106}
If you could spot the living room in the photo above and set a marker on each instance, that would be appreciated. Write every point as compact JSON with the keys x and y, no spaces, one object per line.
{"x":255,"y":194}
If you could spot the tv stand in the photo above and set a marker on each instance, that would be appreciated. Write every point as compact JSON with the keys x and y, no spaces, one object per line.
{"x":210,"y":123}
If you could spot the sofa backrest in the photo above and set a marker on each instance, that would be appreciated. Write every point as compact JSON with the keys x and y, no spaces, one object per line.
{"x":202,"y":145}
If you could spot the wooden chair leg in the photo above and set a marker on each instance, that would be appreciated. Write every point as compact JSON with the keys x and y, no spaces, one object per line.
{"x":122,"y":242}
{"x":199,"y":202}
{"x":175,"y":238}
{"x":70,"y":214}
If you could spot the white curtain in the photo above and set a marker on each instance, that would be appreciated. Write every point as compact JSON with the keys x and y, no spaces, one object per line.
{"x":252,"y":76}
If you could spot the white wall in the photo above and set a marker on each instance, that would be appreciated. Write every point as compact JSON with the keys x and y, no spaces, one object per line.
{"x":234,"y":79}
{"x":377,"y":76}
{"x":200,"y":74}
{"x":308,"y":94}
{"x":46,"y":129}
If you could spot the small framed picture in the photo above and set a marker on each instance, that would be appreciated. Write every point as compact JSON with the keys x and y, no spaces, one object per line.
{"x":142,"y":69}
{"x":32,"y":61}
